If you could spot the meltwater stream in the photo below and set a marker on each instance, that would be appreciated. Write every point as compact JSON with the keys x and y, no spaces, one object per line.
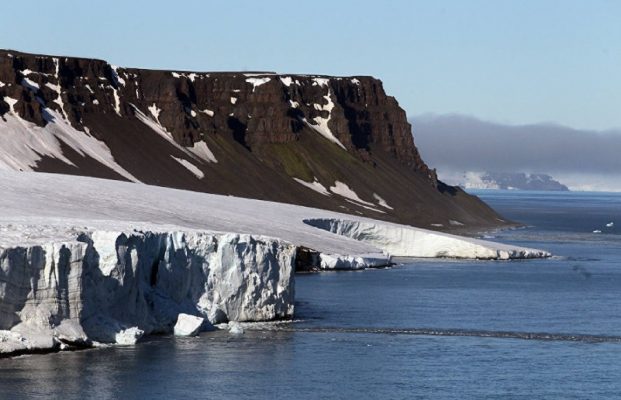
{"x":438,"y":329}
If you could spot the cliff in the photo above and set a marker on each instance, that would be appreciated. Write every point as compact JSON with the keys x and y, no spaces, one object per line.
{"x":337,"y":143}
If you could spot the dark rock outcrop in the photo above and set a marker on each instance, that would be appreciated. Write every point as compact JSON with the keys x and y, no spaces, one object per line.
{"x":263,"y":129}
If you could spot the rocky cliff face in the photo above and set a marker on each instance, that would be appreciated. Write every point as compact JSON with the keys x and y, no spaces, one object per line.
{"x":332,"y":142}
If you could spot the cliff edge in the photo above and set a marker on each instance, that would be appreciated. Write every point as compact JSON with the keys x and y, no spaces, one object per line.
{"x":337,"y":143}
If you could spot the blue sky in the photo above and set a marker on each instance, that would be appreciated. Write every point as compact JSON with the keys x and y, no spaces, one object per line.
{"x":512,"y":62}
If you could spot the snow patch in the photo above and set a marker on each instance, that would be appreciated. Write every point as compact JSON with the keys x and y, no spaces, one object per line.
{"x":321,"y":81}
{"x":155,"y":111}
{"x":201,"y":150}
{"x":256,"y":82}
{"x":116,"y":76}
{"x":55,"y":88}
{"x":321,"y":124}
{"x":190,"y":167}
{"x":366,"y":207}
{"x":117,"y":101}
{"x":11,"y":102}
{"x":315,"y":185}
{"x":343,"y":190}
{"x":286,"y":80}
{"x":30,"y":85}
{"x":208,"y":112}
{"x":23,"y":144}
{"x":159,"y":129}
{"x":355,"y":81}
{"x":233,"y":100}
{"x":382,"y":202}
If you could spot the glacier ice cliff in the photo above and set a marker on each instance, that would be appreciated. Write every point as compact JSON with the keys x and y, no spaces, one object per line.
{"x":85,"y":261}
{"x":113,"y":287}
{"x":406,"y":241}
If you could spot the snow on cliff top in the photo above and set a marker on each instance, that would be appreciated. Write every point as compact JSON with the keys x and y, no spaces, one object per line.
{"x":42,"y":207}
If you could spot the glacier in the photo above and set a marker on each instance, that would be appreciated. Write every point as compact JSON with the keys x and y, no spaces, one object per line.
{"x":86,"y":261}
{"x":115,"y":286}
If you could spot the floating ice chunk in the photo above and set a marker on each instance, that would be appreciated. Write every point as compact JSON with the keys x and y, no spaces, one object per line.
{"x":233,"y":100}
{"x":256,"y":82}
{"x":382,"y":202}
{"x":437,"y":225}
{"x":597,"y":231}
{"x":188,"y":325}
{"x":455,"y":223}
{"x":129,"y":336}
{"x":201,"y":150}
{"x":315,"y":185}
{"x":349,"y":262}
{"x":343,"y":190}
{"x":190,"y":167}
{"x":208,"y":112}
{"x":610,"y":225}
{"x":235,"y":328}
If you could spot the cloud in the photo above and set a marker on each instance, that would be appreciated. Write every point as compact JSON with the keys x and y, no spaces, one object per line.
{"x":459,"y":143}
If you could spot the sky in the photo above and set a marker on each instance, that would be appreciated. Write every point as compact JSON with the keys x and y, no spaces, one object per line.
{"x":511,"y":62}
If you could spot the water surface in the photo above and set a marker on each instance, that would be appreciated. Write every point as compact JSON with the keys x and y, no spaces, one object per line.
{"x":437,"y":329}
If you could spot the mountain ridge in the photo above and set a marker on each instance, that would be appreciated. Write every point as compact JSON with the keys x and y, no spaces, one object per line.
{"x":339,"y":143}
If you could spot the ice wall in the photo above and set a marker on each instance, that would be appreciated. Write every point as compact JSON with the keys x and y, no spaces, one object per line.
{"x":406,"y":241}
{"x":113,"y":287}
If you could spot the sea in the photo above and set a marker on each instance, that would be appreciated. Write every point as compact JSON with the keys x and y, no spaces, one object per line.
{"x":422,"y":329}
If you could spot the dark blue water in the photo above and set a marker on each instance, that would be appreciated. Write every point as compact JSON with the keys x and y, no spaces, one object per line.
{"x":425,"y":329}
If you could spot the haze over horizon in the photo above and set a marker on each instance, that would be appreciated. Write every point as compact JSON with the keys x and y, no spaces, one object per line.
{"x":511,"y":62}
{"x":581,"y":159}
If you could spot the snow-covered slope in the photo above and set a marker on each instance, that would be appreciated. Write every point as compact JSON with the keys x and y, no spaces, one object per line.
{"x":85,"y":259}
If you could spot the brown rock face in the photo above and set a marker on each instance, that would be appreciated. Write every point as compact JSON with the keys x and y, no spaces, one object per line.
{"x":264,"y":129}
